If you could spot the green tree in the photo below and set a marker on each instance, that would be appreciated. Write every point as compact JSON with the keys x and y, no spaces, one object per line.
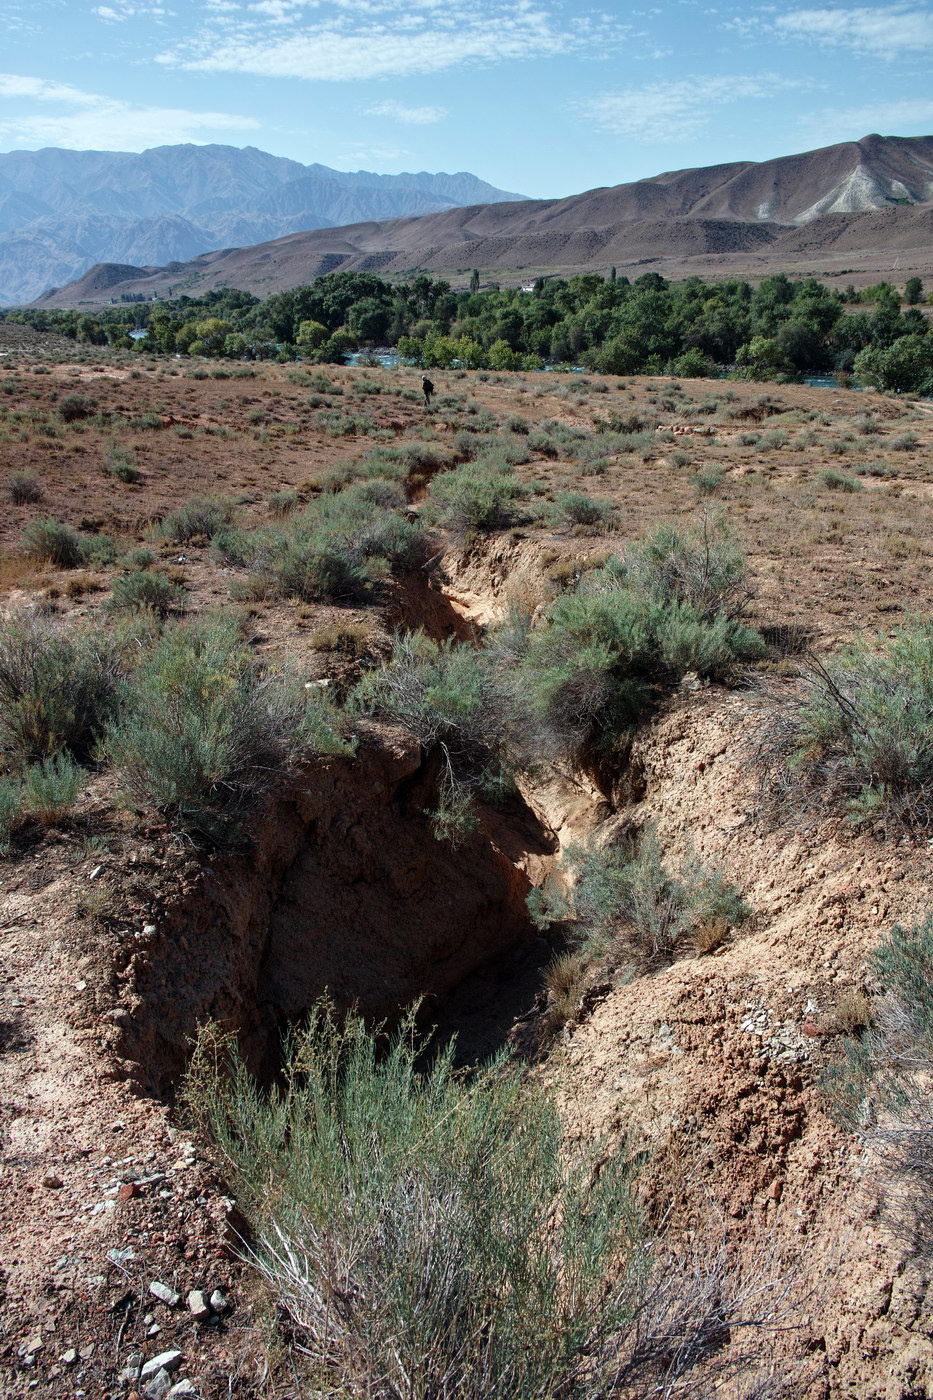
{"x":311,"y":335}
{"x":762,"y":357}
{"x":90,"y":331}
{"x":502,"y":356}
{"x":904,"y":367}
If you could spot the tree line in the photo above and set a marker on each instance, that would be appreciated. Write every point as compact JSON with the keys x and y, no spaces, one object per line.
{"x":778,"y":330}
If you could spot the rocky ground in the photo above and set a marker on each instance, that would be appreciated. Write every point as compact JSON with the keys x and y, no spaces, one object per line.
{"x":121,"y":1245}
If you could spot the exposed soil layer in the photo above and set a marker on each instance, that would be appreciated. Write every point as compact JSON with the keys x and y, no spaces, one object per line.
{"x":714,"y":1065}
{"x":344,"y":890}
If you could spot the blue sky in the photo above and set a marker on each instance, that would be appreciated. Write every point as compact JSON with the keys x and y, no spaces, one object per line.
{"x":537,"y":96}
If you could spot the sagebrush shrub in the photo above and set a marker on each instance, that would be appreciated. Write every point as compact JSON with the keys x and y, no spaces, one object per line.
{"x":74,"y":407}
{"x":626,"y":904}
{"x":137,"y":558}
{"x":203,"y":732}
{"x":475,"y":1256}
{"x":857,"y":731}
{"x":202,"y":516}
{"x":608,"y":648}
{"x":338,"y":549}
{"x":24,"y":488}
{"x":476,"y":497}
{"x":11,"y":793}
{"x":449,"y":696}
{"x":55,"y":542}
{"x":703,"y":567}
{"x":57,"y":690}
{"x":142,"y":589}
{"x":837,"y":481}
{"x":118,"y":463}
{"x":50,"y":788}
{"x":283,"y":502}
{"x":433,"y":1236}
{"x":881,"y":1089}
{"x":585,"y":510}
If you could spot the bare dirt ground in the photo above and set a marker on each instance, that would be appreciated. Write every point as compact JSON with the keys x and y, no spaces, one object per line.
{"x":714,"y":1064}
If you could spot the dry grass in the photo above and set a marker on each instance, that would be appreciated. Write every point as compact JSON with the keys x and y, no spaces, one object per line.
{"x":852,"y":1010}
{"x":710,"y":934}
{"x":565,"y":979}
{"x":22,"y":571}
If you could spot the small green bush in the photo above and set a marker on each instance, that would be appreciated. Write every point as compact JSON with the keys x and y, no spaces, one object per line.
{"x":627,"y":906}
{"x":57,"y":691}
{"x":879,"y":468}
{"x":10,"y":811}
{"x":476,"y":1254}
{"x":881,"y":1089}
{"x":338,"y":549}
{"x":905,"y":442}
{"x":315,"y":571}
{"x":203,"y":516}
{"x":204,"y":733}
{"x":119,"y":463}
{"x":586,"y":511}
{"x":709,"y":482}
{"x":837,"y":481}
{"x":137,"y":558}
{"x":144,"y":590}
{"x":857,"y":732}
{"x":24,"y":488}
{"x":50,"y":788}
{"x":903,"y":964}
{"x":608,"y":648}
{"x":475,"y":498}
{"x":283,"y":502}
{"x":74,"y":407}
{"x":703,"y":567}
{"x":55,"y":542}
{"x":451,"y":699}
{"x":99,"y":551}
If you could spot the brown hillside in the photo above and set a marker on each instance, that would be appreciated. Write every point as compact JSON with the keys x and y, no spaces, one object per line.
{"x":864,"y":202}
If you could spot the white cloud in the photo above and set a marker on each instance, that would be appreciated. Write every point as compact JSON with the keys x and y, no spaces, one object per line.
{"x":673,"y":111}
{"x":126,"y":11}
{"x":88,"y":121}
{"x":370,"y":157}
{"x":851,"y":123}
{"x":885,"y":31}
{"x":408,"y":116}
{"x":369,"y":39}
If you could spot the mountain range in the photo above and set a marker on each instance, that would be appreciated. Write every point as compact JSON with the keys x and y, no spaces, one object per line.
{"x":848,"y":208}
{"x":63,"y":211}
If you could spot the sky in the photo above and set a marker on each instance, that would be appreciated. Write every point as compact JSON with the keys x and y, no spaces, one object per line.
{"x":541,"y":97}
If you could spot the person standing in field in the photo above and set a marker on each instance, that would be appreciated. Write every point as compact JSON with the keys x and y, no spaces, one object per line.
{"x":427,"y":388}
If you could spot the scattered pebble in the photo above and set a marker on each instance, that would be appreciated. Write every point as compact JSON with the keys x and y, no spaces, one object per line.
{"x":198,"y":1306}
{"x":164,"y":1293}
{"x":166,"y":1360}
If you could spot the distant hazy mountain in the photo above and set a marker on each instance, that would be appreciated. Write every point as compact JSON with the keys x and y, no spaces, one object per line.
{"x":865,"y":204}
{"x":63,"y":211}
